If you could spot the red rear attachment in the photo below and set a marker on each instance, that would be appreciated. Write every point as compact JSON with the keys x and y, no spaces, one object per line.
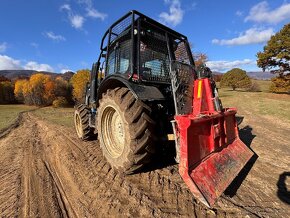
{"x":211,"y":153}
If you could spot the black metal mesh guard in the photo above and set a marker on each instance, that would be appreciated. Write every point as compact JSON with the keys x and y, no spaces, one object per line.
{"x":121,"y":27}
{"x":181,"y":54}
{"x":120,"y":47}
{"x":182,"y":77}
{"x":154,"y":58}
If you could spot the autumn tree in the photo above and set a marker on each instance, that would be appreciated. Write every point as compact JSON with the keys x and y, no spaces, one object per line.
{"x":199,"y":59}
{"x":6,"y":92}
{"x":280,"y":84}
{"x":18,"y":89}
{"x":3,"y":79}
{"x":79,"y":81}
{"x":276,"y":57}
{"x":63,"y":89}
{"x":235,"y":78}
{"x":40,"y":89}
{"x":276,"y":54}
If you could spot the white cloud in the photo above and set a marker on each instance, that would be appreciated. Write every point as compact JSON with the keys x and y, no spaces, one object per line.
{"x":62,"y":68}
{"x":54,"y":37}
{"x":32,"y":65}
{"x":65,"y":70}
{"x":239,"y":13}
{"x":193,"y":5}
{"x":91,"y":12}
{"x":33,"y":44}
{"x":65,"y":7}
{"x":222,"y":66}
{"x":3,"y":47}
{"x":251,"y":36}
{"x":8,"y":63}
{"x":88,"y":3}
{"x":77,"y":21}
{"x":262,"y":13}
{"x":175,"y":15}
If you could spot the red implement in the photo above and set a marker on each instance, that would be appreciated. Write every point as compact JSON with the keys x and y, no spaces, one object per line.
{"x":211,"y":153}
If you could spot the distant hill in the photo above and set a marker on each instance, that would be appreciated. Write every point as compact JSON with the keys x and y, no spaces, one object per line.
{"x":216,"y":73}
{"x":259,"y":75}
{"x":25,"y":74}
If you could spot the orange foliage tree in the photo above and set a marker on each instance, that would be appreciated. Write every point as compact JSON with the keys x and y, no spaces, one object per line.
{"x":40,"y":89}
{"x":49,"y":91}
{"x":79,"y":81}
{"x":18,"y":89}
{"x":199,"y":59}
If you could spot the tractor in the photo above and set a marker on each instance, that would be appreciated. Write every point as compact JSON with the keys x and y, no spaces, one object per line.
{"x":143,"y":88}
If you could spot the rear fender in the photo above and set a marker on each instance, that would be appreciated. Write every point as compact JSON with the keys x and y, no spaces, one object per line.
{"x":141,"y":92}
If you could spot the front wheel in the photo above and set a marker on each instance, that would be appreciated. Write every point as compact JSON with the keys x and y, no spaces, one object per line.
{"x":125,"y":130}
{"x":81,"y":121}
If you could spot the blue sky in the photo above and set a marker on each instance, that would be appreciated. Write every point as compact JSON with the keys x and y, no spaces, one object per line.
{"x":60,"y":35}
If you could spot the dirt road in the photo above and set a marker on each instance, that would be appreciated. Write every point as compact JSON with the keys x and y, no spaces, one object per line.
{"x":45,"y":171}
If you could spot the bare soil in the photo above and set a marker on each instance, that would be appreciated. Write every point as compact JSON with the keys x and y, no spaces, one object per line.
{"x":45,"y":171}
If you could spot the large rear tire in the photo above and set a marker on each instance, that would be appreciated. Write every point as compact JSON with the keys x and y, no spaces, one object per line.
{"x":81,"y":121}
{"x":125,"y":130}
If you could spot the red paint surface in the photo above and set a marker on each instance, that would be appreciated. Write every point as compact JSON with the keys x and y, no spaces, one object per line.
{"x":211,"y":153}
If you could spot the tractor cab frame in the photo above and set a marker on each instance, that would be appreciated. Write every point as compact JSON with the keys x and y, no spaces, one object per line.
{"x":139,"y":52}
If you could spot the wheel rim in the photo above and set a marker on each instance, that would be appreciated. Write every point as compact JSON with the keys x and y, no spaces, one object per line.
{"x":78,"y":125}
{"x":112,"y":129}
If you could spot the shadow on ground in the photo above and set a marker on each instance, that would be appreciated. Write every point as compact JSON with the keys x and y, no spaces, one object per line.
{"x":247,"y":137}
{"x":164,"y":157}
{"x":283,"y":193}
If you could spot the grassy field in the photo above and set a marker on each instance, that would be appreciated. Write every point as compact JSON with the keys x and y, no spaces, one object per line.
{"x":60,"y":116}
{"x":8,"y":113}
{"x":263,"y":103}
{"x":263,"y":84}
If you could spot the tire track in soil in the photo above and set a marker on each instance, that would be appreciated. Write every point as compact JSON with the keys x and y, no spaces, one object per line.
{"x":26,"y":189}
{"x":45,"y":171}
{"x":258,"y":192}
{"x":97,"y":190}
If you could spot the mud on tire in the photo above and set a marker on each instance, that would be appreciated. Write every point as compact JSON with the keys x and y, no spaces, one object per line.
{"x":81,"y":121}
{"x":125,"y":130}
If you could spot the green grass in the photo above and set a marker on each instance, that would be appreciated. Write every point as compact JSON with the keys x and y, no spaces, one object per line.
{"x":60,"y":116}
{"x":275,"y":105}
{"x":8,"y":113}
{"x":263,"y":84}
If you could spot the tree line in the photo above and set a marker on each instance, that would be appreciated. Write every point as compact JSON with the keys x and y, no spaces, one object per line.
{"x":43,"y":90}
